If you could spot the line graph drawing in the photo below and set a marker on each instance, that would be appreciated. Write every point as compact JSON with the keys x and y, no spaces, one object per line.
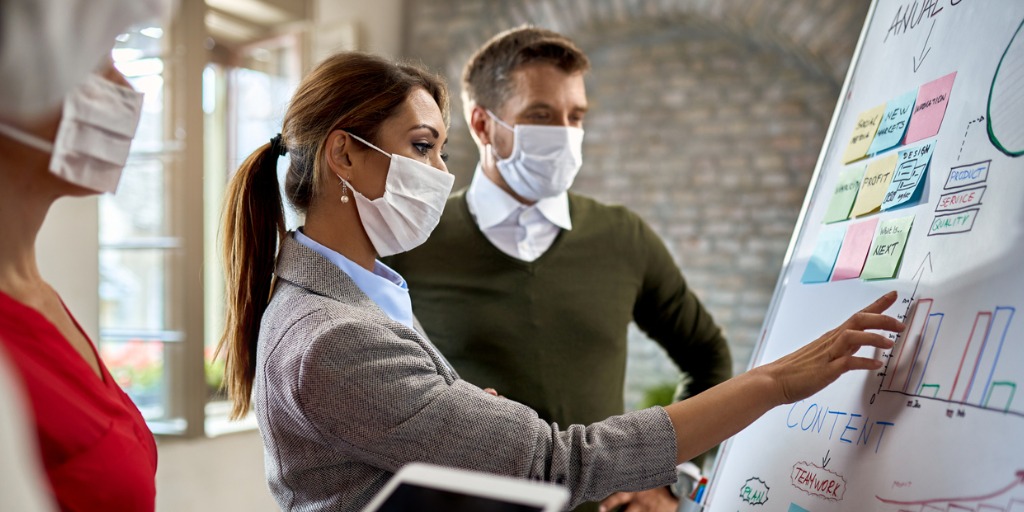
{"x":1008,"y":498}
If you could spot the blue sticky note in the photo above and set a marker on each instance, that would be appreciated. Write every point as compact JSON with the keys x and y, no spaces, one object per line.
{"x":793,"y":507}
{"x":894,"y":123}
{"x":911,"y":167}
{"x":819,"y":268}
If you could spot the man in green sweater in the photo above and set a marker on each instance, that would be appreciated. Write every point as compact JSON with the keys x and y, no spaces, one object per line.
{"x":529,"y":289}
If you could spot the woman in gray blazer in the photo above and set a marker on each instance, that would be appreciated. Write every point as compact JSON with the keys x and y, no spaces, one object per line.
{"x":321,"y":337}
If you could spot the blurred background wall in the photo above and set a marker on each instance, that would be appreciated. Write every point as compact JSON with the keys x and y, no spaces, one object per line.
{"x":706,"y":119}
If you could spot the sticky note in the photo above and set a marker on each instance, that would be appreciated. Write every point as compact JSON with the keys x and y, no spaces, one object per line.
{"x":844,"y":194}
{"x":894,"y":123}
{"x":930,"y":108}
{"x":887,"y":249}
{"x":875,"y":184}
{"x":819,"y":267}
{"x":911,"y":167}
{"x":863,"y":133}
{"x":856,"y":245}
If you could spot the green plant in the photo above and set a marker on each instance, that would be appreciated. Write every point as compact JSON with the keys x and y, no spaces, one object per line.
{"x":659,"y":394}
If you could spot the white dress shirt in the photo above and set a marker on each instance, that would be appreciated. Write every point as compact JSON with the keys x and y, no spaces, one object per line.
{"x":522,"y":231}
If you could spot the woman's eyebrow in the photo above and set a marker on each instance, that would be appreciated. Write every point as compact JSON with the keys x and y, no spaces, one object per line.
{"x":427,"y":126}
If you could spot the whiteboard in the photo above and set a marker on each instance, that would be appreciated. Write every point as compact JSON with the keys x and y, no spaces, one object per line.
{"x":941,"y":426}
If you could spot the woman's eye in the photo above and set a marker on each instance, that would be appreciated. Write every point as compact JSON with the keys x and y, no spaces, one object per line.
{"x":423,"y":147}
{"x":444,"y":157}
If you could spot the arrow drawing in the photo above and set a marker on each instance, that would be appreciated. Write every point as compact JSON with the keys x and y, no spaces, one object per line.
{"x":920,"y":273}
{"x":925,"y":50}
{"x":825,"y":460}
{"x":972,"y":121}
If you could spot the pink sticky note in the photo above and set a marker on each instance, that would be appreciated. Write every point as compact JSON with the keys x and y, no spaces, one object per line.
{"x":855,"y":250}
{"x":929,"y":108}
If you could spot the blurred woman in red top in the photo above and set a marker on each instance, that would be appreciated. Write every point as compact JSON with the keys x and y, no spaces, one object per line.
{"x":96,"y":449}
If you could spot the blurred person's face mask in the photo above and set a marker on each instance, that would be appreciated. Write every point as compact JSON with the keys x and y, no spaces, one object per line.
{"x":544,"y":160}
{"x":95,"y":133}
{"x":414,"y":197}
{"x":49,"y":46}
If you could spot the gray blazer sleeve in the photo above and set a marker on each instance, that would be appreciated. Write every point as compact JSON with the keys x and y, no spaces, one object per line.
{"x":378,"y":398}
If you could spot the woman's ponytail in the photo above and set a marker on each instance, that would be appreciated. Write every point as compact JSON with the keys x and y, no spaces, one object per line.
{"x":253,"y":227}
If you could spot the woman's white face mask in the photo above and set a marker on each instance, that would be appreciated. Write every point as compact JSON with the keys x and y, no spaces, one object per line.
{"x":414,"y":197}
{"x":96,"y":129}
{"x":97,"y":124}
{"x":544,"y":160}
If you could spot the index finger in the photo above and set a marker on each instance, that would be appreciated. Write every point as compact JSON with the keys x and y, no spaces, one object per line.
{"x":883,"y":303}
{"x":874,"y":321}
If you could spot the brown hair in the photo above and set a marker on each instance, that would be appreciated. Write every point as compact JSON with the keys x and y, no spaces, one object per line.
{"x":486,"y":79}
{"x":351,"y":91}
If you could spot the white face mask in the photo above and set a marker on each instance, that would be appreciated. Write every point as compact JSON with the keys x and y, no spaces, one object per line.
{"x":95,"y":133}
{"x":414,"y":197}
{"x":544,"y":159}
{"x":48,"y":46}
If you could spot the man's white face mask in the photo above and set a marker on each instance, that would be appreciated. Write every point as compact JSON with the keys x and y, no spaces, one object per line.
{"x":96,"y":129}
{"x":414,"y":197}
{"x":49,"y":46}
{"x":544,"y":160}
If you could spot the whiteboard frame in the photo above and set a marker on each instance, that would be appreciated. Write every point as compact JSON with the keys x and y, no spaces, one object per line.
{"x":769,"y":318}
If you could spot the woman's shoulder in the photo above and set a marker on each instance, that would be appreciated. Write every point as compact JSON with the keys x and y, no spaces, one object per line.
{"x":317,"y":325}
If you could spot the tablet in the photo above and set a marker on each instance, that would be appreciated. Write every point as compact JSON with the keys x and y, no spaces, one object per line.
{"x":420,"y":486}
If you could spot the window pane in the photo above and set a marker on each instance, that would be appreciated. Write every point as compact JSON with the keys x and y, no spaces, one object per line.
{"x":138,"y":210}
{"x":138,"y":367}
{"x":133,"y":289}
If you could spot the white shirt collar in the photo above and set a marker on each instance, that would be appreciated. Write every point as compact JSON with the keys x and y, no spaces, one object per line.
{"x":490,"y":205}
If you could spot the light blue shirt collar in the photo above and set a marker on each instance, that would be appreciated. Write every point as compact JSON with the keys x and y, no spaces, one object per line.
{"x":383,"y":286}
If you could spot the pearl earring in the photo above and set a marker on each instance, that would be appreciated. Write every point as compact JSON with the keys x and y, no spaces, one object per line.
{"x":344,"y":190}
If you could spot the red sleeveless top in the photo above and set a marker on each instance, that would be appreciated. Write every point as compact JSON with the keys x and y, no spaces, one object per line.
{"x":96,"y":448}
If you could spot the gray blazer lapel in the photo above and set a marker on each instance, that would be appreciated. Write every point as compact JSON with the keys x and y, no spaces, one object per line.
{"x":303,"y":267}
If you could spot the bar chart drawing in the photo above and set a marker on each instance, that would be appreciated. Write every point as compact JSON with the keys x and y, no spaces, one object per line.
{"x":1009,"y":498}
{"x":973,"y":370}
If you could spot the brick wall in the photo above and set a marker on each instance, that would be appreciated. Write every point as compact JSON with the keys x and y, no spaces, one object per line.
{"x":706,"y":119}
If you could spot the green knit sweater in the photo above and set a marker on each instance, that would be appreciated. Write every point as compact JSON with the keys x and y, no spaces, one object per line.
{"x":552,"y":333}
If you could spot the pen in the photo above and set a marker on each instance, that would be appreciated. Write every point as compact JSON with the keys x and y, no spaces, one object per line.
{"x":695,"y":495}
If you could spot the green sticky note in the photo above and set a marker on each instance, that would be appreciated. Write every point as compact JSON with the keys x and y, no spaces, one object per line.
{"x":887,"y":249}
{"x":844,"y":194}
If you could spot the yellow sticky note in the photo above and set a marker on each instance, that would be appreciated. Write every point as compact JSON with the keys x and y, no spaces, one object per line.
{"x":863,"y":133}
{"x":874,"y":185}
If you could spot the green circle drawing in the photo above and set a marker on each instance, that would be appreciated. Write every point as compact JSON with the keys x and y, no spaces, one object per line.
{"x":1014,"y":146}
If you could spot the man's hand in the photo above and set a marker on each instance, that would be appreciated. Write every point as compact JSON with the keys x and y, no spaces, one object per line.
{"x":652,"y":500}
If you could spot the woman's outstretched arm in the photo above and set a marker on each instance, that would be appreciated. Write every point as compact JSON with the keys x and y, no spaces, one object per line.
{"x":713,"y":416}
